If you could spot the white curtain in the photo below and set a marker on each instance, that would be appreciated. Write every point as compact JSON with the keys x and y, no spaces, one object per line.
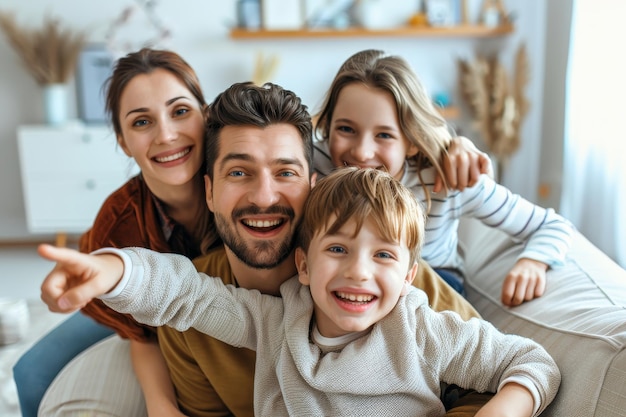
{"x":594,"y":184}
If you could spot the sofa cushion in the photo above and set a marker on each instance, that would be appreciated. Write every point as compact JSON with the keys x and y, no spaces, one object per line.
{"x":580,"y":320}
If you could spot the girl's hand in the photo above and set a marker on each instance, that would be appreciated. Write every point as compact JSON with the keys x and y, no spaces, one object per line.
{"x":77,"y":278}
{"x":463,"y":165}
{"x":527,"y":280}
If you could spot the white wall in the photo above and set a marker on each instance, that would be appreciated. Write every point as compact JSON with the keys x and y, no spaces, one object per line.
{"x":200,"y":34}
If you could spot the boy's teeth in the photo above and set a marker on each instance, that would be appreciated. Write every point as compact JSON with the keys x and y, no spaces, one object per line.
{"x":261,"y":223}
{"x":361,"y":298}
{"x":174,"y":156}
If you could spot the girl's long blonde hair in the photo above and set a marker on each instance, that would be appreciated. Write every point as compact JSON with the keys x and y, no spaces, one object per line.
{"x":420,"y":122}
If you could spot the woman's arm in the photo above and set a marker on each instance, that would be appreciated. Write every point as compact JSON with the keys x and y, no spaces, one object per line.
{"x":154,"y":378}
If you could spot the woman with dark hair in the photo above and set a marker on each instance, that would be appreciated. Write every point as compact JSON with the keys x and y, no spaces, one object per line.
{"x":156,"y":109}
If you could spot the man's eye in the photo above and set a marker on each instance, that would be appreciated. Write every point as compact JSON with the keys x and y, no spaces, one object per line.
{"x":287,"y":174}
{"x":236,"y":174}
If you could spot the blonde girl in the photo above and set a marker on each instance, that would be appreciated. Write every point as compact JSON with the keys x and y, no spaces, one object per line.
{"x":377,"y":114}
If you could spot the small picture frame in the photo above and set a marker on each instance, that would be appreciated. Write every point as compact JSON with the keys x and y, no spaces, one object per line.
{"x":283,"y":15}
{"x":441,"y":13}
{"x":95,"y":65}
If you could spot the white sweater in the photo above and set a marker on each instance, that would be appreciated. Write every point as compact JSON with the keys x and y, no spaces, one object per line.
{"x":547,"y":234}
{"x":394,"y":370}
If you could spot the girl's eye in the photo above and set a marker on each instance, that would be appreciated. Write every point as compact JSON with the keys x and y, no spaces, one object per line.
{"x":385,"y":135}
{"x":336,"y":249}
{"x":345,"y":129}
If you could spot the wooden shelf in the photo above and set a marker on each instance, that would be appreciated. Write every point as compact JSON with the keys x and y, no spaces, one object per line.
{"x":476,"y":31}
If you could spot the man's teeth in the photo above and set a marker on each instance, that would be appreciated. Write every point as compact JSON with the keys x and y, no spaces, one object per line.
{"x":261,"y":223}
{"x":361,"y":298}
{"x":174,"y":156}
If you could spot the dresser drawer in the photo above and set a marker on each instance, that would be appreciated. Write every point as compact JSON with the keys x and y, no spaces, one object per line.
{"x":67,"y":204}
{"x":49,"y":149}
{"x":67,"y":173}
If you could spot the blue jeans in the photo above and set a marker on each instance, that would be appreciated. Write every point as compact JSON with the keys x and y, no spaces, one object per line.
{"x":453,"y":278}
{"x":38,"y":367}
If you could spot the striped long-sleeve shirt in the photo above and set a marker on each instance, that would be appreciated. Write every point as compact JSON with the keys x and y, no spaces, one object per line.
{"x":546,"y":234}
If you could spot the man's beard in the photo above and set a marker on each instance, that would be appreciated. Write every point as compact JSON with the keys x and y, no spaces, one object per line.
{"x":263,"y":254}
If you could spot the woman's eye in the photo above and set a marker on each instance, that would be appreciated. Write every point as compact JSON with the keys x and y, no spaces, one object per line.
{"x":180,"y":112}
{"x":139,"y":123}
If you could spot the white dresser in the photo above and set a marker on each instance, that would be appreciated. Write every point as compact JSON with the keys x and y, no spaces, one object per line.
{"x":67,"y":173}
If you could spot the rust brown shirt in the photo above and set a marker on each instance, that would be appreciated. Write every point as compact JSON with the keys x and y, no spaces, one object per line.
{"x":133,"y":216}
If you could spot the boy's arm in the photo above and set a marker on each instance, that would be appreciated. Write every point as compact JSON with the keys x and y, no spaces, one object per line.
{"x":512,"y":400}
{"x":77,"y":278}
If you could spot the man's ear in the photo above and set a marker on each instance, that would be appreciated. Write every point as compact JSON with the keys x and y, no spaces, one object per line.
{"x":303,"y":268}
{"x":313,"y":179}
{"x":122,"y":143}
{"x":408,"y":280}
{"x":208,"y":188}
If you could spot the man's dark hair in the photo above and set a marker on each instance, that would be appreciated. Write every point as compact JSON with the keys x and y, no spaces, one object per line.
{"x":246,"y":104}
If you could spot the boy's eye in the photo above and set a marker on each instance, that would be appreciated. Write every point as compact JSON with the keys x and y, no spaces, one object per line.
{"x":336,"y":249}
{"x":384,"y":255}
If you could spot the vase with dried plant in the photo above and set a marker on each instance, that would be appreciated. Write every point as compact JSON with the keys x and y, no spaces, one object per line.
{"x":49,"y":54}
{"x":497,"y":107}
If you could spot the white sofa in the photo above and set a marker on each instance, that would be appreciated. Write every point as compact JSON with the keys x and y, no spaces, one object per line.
{"x":580,"y":320}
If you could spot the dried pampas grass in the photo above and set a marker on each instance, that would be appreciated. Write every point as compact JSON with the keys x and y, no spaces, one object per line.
{"x":49,"y":53}
{"x":496,"y":106}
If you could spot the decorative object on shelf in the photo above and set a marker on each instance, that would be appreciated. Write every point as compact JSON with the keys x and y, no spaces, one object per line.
{"x":338,"y":14}
{"x":249,"y":14}
{"x":279,"y":14}
{"x":492,"y":13}
{"x":49,"y":54}
{"x":497,"y":107}
{"x":370,"y":14}
{"x":443,"y":12}
{"x":163,"y":33}
{"x":264,"y":69}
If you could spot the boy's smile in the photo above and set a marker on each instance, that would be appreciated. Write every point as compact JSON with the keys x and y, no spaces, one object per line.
{"x":355,"y":278}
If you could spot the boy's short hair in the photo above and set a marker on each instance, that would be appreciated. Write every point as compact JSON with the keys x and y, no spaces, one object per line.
{"x":360,"y":194}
